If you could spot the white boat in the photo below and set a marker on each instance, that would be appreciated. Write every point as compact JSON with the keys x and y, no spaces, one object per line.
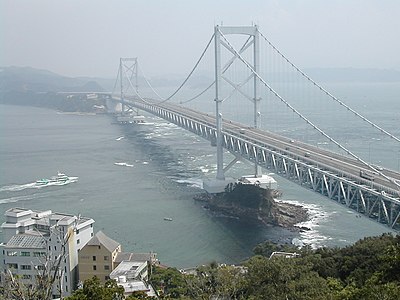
{"x":42,"y":181}
{"x":60,"y":178}
{"x":167,"y":219}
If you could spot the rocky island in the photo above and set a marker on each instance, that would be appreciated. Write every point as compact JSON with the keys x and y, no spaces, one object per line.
{"x":253,"y":204}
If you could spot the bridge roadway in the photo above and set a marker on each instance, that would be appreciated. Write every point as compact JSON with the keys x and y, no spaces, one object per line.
{"x":307,"y":153}
{"x":331,"y":174}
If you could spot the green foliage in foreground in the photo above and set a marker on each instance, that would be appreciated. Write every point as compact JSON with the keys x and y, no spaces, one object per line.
{"x":369,"y":269}
{"x":94,"y":289}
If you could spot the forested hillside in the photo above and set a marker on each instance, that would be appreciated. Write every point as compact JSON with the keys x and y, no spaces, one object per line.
{"x":41,"y":88}
{"x":369,"y":269}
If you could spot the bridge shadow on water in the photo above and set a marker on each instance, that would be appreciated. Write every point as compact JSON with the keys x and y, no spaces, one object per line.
{"x":177,"y":171}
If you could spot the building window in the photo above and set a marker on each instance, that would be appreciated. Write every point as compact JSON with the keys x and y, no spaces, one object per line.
{"x":12,"y":253}
{"x":40,"y":267}
{"x":77,"y":232}
{"x":78,"y":241}
{"x":26,"y":267}
{"x":26,"y":276}
{"x":94,"y":257}
{"x":106,"y":267}
{"x":39,"y":254}
{"x":91,"y":234}
{"x":13,"y":266}
{"x":106,"y":257}
{"x":106,"y":277}
{"x":94,"y":268}
{"x":25,"y":253}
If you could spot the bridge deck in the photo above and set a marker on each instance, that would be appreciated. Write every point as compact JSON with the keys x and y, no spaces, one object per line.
{"x":338,"y":177}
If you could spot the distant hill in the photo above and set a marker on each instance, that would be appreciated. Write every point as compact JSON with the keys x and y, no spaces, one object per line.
{"x":34,"y":87}
{"x":19,"y":79}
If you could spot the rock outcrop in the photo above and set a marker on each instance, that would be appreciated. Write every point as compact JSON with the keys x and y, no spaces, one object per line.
{"x":253,"y":204}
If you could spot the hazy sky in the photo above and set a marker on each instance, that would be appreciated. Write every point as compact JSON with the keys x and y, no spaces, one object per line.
{"x":87,"y":37}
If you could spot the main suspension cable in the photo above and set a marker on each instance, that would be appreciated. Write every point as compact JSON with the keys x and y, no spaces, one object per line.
{"x":190,"y":74}
{"x":302,"y":116}
{"x":148,"y":83}
{"x":116,"y":81}
{"x":226,"y":67}
{"x":330,"y":95}
{"x":199,"y":94}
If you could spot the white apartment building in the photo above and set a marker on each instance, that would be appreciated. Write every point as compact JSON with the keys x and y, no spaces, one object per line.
{"x":35,"y":241}
{"x":133,"y":277}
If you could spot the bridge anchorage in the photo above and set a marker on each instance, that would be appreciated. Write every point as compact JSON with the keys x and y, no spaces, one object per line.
{"x":346,"y":178}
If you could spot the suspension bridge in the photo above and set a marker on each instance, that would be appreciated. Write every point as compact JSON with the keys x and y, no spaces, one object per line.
{"x":261,"y":107}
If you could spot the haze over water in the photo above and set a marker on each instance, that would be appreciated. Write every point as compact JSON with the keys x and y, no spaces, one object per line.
{"x":130,"y":179}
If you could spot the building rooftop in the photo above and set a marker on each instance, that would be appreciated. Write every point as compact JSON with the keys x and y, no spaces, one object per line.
{"x":135,"y":286}
{"x":26,"y":241}
{"x":128,"y":269}
{"x":17,"y":210}
{"x":23,"y":217}
{"x":101,"y":239}
{"x":127,"y":275}
{"x":141,"y":257}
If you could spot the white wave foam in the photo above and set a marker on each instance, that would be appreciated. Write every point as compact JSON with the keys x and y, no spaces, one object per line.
{"x":120,"y":138}
{"x":310,"y":235}
{"x":204,"y":169}
{"x":192,"y":182}
{"x":124,"y":164}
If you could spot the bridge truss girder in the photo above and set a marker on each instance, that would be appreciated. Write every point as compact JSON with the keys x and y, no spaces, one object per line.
{"x":353,"y":193}
{"x":343,"y":190}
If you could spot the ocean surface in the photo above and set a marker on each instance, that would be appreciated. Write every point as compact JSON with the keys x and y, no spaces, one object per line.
{"x":129,"y":178}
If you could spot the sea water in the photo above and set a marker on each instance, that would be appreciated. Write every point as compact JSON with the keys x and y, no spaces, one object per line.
{"x":130,"y":178}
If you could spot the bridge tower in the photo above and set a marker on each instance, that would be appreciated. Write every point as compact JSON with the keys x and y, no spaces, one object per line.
{"x":252,"y":42}
{"x":128,"y":74}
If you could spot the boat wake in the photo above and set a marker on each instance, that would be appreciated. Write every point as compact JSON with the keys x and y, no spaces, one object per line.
{"x":17,"y":187}
{"x":18,"y":198}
